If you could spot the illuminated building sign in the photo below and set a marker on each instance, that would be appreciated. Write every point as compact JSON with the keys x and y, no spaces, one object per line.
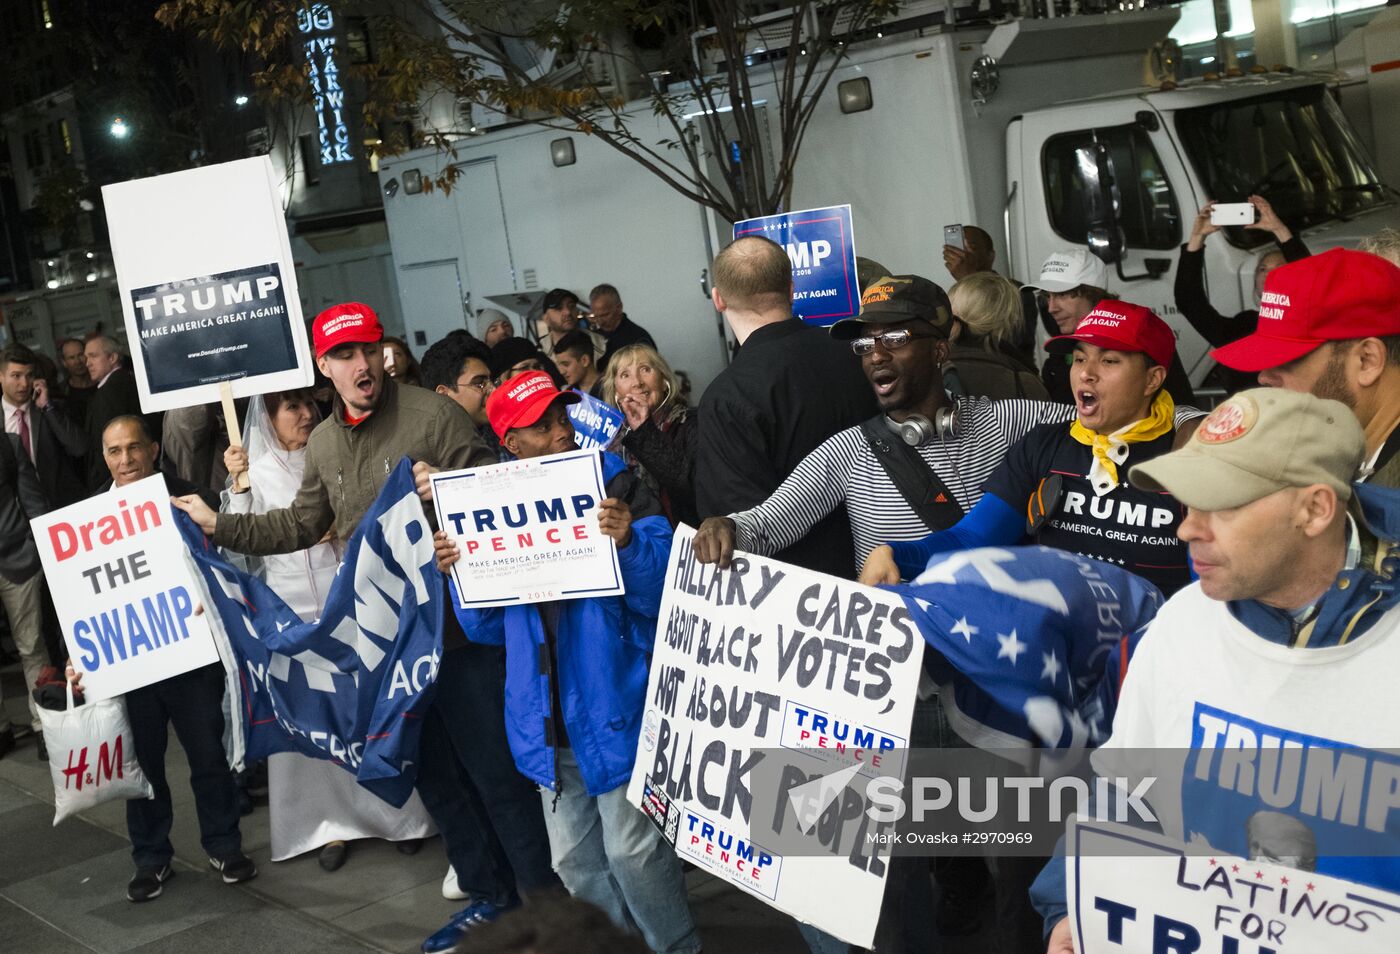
{"x":315,"y":25}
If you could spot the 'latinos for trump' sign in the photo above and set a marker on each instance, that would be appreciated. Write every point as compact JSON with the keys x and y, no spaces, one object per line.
{"x":527,"y":530}
{"x":775,"y":696}
{"x":208,"y":287}
{"x":1134,"y":890}
{"x":822,"y":247}
{"x":115,"y":566}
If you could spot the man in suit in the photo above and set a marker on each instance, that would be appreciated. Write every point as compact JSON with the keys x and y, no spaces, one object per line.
{"x":56,"y":446}
{"x":116,"y":395}
{"x":21,"y":576}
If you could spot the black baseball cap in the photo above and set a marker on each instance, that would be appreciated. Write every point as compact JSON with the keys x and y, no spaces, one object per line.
{"x":898,"y":298}
{"x":557,"y":296}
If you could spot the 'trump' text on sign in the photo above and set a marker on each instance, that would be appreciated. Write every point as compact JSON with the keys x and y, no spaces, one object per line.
{"x":528,"y":531}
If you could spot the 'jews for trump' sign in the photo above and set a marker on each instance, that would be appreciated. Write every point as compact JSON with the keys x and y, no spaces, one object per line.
{"x":527,"y":530}
{"x":776,"y":694}
{"x":207,"y":284}
{"x":125,"y":598}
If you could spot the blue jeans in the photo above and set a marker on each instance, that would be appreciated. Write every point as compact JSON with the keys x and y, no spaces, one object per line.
{"x":608,"y":854}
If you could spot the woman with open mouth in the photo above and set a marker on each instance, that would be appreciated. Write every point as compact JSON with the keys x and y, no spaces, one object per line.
{"x":1066,"y":485}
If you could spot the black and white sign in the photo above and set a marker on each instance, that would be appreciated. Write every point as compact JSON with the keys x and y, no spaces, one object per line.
{"x":208,"y":287}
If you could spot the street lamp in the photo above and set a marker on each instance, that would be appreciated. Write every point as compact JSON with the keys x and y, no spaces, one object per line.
{"x":119,"y":128}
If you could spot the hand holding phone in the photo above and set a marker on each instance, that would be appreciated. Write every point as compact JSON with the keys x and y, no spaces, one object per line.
{"x":1232,"y":213}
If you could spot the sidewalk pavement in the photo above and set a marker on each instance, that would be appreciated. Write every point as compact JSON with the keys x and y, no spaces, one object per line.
{"x":63,"y":889}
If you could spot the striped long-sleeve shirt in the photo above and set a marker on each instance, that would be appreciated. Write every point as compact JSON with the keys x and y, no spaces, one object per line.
{"x":845,"y":470}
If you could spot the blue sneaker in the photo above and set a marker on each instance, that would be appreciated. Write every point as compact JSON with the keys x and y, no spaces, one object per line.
{"x":472,"y":916}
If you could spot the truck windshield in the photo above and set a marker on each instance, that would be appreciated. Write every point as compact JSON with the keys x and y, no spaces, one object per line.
{"x":1293,"y":148}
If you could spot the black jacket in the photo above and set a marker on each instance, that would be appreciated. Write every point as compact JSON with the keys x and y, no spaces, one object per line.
{"x":1195,"y":307}
{"x":627,"y":332}
{"x":21,"y":500}
{"x":60,"y":454}
{"x":115,"y":398}
{"x":789,"y":388}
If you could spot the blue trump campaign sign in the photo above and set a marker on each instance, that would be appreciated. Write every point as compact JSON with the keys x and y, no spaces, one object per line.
{"x":352,"y":686}
{"x":822,"y":246}
{"x":1031,"y":640}
{"x":595,"y":422}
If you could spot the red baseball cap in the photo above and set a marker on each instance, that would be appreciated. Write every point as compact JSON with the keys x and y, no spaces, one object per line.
{"x":521,"y":400}
{"x":349,"y":323}
{"x":1334,"y":296}
{"x":1121,"y":326}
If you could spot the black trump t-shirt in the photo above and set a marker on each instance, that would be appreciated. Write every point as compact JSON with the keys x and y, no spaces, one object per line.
{"x":1131,"y":528}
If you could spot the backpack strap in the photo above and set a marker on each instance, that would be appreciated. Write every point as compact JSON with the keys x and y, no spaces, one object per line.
{"x":915,"y":480}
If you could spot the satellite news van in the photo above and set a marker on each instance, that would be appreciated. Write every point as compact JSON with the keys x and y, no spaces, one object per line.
{"x":1041,"y":131}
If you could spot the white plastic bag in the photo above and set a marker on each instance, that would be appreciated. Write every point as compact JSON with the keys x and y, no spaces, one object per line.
{"x":92,"y":757}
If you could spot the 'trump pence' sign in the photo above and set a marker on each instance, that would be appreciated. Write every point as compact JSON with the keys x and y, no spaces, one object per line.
{"x":116,"y":567}
{"x":822,"y":247}
{"x":208,"y":288}
{"x":527,"y":530}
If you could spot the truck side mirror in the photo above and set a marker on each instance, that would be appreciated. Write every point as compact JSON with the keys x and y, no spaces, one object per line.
{"x":1103,"y":234}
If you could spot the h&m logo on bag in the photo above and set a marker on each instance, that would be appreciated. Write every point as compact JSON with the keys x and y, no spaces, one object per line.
{"x":109,"y":762}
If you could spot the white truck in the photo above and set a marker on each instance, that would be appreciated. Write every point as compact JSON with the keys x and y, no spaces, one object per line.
{"x":1040,"y":131}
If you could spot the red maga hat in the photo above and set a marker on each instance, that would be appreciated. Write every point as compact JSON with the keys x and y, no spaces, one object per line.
{"x":1334,"y":296}
{"x":348,"y":323}
{"x":1121,"y":326}
{"x":520,"y":401}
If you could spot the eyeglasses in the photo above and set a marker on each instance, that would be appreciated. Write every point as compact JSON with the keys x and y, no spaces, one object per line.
{"x":481,"y":382}
{"x":891,"y":340}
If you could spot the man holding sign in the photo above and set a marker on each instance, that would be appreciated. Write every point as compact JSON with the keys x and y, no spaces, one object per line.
{"x":144,"y":623}
{"x":1288,"y":644}
{"x":374,"y":422}
{"x":577,"y":672}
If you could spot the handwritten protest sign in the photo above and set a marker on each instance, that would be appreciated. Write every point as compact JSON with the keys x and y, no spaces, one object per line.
{"x":595,"y":422}
{"x":115,"y":566}
{"x":1132,"y":890}
{"x":822,"y":246}
{"x":762,"y":657}
{"x":208,"y":288}
{"x":528,"y":531}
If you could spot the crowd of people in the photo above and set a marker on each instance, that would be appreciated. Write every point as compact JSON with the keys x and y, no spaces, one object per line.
{"x":869,"y":450}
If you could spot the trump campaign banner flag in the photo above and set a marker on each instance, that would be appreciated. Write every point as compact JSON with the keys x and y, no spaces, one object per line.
{"x":352,"y":686}
{"x":208,"y":285}
{"x":821,"y":244}
{"x":1030,"y":642}
{"x":527,"y":530}
{"x":769,"y":681}
{"x":125,"y":598}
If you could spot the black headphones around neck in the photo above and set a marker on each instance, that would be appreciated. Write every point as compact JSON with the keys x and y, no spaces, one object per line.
{"x":916,"y":429}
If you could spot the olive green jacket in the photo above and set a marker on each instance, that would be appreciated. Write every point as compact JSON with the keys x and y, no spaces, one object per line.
{"x":346,"y":465}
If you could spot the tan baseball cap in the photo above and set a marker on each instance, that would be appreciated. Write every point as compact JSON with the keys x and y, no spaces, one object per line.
{"x":1256,"y":443}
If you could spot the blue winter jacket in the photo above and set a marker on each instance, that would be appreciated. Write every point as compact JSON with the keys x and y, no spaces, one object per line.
{"x":603,"y":650}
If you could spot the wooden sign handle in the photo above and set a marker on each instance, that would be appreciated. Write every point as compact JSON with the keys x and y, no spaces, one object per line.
{"x":235,"y":433}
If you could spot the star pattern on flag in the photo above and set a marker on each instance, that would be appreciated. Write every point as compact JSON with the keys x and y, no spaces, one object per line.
{"x":964,"y":629}
{"x":1011,"y":646}
{"x":1050,"y":666}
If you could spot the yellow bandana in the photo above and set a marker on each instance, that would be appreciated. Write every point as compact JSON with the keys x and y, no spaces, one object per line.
{"x":1110,"y":450}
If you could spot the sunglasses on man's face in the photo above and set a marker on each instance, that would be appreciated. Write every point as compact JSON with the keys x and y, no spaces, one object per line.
{"x":889,"y":340}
